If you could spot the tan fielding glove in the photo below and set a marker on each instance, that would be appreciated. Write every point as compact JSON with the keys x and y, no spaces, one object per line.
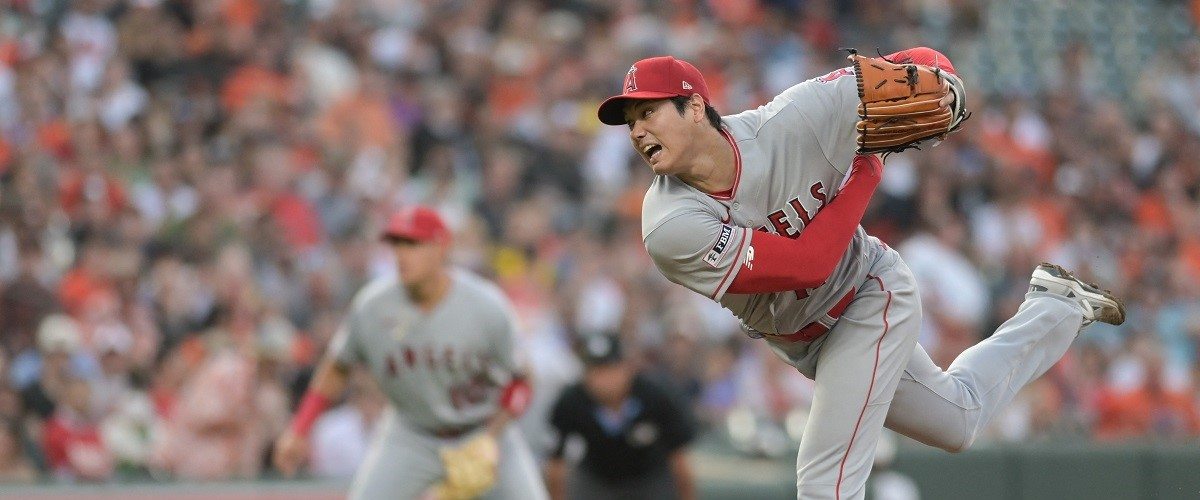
{"x":470,"y":468}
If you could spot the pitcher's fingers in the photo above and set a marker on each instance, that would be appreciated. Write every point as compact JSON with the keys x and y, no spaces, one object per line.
{"x":948,"y":100}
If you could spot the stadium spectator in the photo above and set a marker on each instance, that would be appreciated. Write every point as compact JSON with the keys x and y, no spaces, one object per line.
{"x":57,"y":360}
{"x":15,"y":466}
{"x":72,"y":442}
{"x":25,"y":300}
{"x":212,"y":431}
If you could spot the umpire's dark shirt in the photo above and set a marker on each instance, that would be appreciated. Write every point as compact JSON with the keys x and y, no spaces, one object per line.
{"x":631,"y":444}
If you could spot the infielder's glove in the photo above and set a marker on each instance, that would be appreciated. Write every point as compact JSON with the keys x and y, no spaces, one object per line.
{"x":470,"y":468}
{"x":904,"y":104}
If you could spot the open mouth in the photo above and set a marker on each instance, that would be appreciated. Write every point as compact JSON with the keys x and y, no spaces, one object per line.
{"x":651,"y":150}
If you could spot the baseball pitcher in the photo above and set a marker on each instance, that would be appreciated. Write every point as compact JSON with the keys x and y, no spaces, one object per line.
{"x":440,"y":343}
{"x":760,"y":212}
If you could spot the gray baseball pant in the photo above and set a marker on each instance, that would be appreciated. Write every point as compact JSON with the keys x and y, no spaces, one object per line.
{"x":870,"y":373}
{"x":404,"y":463}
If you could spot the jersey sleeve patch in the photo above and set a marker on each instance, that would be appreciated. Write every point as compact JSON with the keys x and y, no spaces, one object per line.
{"x":835,"y":74}
{"x":713,"y":257}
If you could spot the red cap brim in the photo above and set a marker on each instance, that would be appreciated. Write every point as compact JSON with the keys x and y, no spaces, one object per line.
{"x":414,"y":234}
{"x":408,"y":237}
{"x":612,"y":110}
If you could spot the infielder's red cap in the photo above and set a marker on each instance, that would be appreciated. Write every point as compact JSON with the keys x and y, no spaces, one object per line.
{"x":654,"y":78}
{"x":418,"y":223}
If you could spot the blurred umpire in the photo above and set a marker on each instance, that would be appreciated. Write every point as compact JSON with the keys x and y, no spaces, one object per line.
{"x":626,"y":435}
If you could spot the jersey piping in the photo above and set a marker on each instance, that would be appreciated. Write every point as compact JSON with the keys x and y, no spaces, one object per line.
{"x":737,"y":165}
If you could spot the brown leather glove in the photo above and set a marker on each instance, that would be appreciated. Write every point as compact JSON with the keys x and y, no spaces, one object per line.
{"x":904,"y":104}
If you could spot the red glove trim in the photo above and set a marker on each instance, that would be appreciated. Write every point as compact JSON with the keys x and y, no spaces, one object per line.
{"x":311,"y":407}
{"x":782,"y":264}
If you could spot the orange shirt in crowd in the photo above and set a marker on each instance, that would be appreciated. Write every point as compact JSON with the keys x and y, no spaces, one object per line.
{"x":510,"y":95}
{"x":1189,"y":254}
{"x":737,"y":12}
{"x":1152,"y":214}
{"x":1053,"y":220}
{"x":55,"y":137}
{"x":252,"y":82}
{"x":1010,"y":154}
{"x":78,"y":286}
{"x":1145,"y":412}
{"x":359,"y":120}
{"x":242,"y":13}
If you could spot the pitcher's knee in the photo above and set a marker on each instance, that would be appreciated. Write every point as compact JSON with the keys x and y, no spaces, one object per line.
{"x":948,"y":439}
{"x":960,"y":446}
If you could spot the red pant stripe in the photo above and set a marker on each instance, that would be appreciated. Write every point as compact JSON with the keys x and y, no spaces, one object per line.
{"x":870,"y":387}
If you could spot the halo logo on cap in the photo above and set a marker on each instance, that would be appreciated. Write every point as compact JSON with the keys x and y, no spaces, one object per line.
{"x":660,"y":77}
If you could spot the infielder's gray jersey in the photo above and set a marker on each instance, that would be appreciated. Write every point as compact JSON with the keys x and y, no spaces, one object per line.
{"x":793,"y":154}
{"x":442,"y":369}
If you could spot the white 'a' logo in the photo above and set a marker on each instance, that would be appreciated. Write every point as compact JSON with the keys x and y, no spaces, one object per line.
{"x":631,"y":80}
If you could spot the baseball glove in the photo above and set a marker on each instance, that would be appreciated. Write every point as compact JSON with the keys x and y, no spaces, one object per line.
{"x":904,"y":104}
{"x":470,"y":468}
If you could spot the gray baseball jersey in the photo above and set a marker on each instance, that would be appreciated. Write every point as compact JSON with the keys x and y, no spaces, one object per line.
{"x":443,"y":368}
{"x":790,"y":164}
{"x":793,"y":155}
{"x":443,"y":371}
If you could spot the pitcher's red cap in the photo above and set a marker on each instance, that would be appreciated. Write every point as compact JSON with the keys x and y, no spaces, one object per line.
{"x":654,"y":78}
{"x":418,"y":223}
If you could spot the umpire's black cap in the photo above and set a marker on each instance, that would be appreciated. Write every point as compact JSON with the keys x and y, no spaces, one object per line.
{"x":599,"y":349}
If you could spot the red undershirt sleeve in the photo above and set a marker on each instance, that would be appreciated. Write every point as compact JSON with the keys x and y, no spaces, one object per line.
{"x":783,"y":264}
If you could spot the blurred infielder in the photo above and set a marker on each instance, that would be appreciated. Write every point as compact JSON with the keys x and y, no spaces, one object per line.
{"x":759,"y":211}
{"x":440,"y":343}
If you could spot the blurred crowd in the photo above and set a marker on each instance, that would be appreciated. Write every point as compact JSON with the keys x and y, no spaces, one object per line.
{"x":192,"y":190}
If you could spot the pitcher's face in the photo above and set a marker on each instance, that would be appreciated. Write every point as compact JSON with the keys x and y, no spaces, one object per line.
{"x":661,"y":134}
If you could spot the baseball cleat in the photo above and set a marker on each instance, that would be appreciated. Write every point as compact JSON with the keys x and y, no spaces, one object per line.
{"x":1097,"y":303}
